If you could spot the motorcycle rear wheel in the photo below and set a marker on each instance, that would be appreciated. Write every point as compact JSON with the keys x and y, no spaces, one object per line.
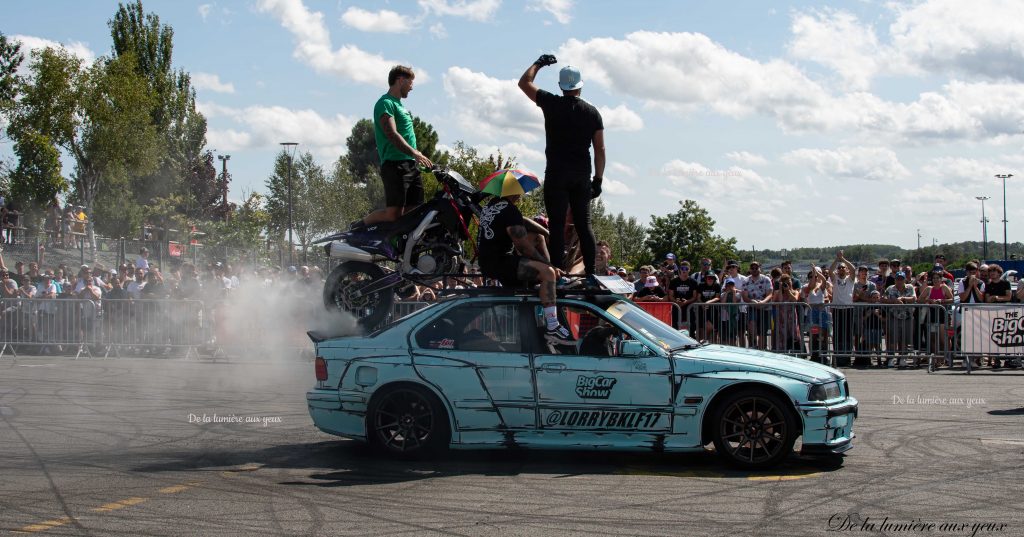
{"x":348,"y":278}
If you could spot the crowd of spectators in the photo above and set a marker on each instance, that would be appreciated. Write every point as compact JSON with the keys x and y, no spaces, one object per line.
{"x":102,"y":291}
{"x":749,"y":311}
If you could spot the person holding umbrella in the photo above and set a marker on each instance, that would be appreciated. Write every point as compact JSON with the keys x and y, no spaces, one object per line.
{"x":571,"y":125}
{"x":510,"y":254}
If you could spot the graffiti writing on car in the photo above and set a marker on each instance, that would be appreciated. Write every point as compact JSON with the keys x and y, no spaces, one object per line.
{"x":603,"y":419}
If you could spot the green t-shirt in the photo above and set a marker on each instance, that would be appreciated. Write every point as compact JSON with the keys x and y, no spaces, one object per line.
{"x":388,"y":105}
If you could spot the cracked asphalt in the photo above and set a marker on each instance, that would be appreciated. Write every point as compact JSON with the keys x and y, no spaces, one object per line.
{"x":121,"y":447}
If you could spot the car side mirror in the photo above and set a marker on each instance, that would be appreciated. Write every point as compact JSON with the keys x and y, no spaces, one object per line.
{"x":632,"y":347}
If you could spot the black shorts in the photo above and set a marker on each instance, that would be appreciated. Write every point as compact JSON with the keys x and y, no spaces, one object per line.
{"x":504,"y":268}
{"x":403,"y":186}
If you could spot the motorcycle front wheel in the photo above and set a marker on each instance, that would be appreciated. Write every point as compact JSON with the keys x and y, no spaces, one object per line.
{"x":342,"y":293}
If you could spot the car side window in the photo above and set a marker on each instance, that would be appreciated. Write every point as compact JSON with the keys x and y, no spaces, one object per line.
{"x":593,"y":334}
{"x":474,"y":327}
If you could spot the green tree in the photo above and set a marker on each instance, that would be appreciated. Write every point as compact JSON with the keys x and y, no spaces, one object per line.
{"x":98,"y":115}
{"x":308,"y":182}
{"x":690,"y":234}
{"x":37,"y":179}
{"x":631,"y":242}
{"x":181,"y":128}
{"x":10,"y":60}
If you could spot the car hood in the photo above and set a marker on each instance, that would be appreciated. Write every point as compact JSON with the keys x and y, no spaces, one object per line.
{"x":709,"y":358}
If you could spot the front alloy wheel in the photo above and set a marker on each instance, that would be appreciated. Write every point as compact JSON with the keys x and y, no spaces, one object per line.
{"x":754,"y":430}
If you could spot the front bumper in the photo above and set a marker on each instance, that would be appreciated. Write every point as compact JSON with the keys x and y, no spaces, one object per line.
{"x":828,"y":429}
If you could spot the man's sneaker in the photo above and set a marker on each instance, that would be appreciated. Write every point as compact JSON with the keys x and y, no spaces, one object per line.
{"x":563,"y":282}
{"x":559,"y":335}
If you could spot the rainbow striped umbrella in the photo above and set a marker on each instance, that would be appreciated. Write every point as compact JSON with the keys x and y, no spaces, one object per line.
{"x":509,"y":183}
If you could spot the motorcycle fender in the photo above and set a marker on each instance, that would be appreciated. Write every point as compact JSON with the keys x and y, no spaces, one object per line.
{"x":348,"y":252}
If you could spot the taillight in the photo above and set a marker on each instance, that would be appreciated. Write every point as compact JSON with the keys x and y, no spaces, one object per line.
{"x":321,"y":368}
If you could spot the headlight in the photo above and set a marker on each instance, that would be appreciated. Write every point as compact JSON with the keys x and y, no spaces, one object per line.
{"x":824,"y":392}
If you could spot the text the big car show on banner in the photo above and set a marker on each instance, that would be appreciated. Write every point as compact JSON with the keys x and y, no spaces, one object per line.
{"x":993,"y":330}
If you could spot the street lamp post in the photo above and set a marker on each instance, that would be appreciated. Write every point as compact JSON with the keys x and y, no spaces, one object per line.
{"x":1004,"y":177}
{"x":224,"y":177}
{"x":289,"y":146}
{"x":984,"y":228}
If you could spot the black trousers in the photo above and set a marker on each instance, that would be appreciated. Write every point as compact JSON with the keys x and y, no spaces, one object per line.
{"x":562,"y":192}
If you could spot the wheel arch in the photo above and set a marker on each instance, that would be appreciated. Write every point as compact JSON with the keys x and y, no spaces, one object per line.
{"x":387,"y":386}
{"x":706,"y":432}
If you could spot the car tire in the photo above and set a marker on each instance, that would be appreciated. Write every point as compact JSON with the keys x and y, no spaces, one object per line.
{"x":345,"y":278}
{"x":407,"y":421}
{"x":753,"y":429}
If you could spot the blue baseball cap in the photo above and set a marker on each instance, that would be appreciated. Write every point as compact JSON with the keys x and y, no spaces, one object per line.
{"x":569,"y":78}
{"x":901,"y":274}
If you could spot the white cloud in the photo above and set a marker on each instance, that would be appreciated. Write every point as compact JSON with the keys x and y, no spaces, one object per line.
{"x":746,"y":158}
{"x":267,"y":126}
{"x":836,"y":39}
{"x":685,"y":72}
{"x":207,"y":81}
{"x":559,"y":9}
{"x":868,"y":163}
{"x":380,"y":21}
{"x":78,"y":48}
{"x":477,"y":10}
{"x":615,"y":187}
{"x":490,"y":107}
{"x":438,"y":31}
{"x":620,"y":118}
{"x":204,"y":11}
{"x":621,"y":169}
{"x":313,"y":45}
{"x":941,"y":36}
{"x":688,"y":70}
{"x":695,"y":176}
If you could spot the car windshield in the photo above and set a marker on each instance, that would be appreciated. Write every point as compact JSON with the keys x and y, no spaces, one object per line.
{"x":650,"y":327}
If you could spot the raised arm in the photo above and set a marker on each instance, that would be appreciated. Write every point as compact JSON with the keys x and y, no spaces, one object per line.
{"x":526,"y":81}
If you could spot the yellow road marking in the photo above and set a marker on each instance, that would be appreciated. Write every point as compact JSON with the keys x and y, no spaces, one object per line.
{"x":106,"y":508}
{"x":173,"y":489}
{"x":113,"y":506}
{"x":42,"y":526}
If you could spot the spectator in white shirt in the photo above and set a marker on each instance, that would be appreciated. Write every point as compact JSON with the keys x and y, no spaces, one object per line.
{"x":142,"y":262}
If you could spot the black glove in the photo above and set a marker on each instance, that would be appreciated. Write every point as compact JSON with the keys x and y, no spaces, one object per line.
{"x":595,"y":187}
{"x":545,"y":60}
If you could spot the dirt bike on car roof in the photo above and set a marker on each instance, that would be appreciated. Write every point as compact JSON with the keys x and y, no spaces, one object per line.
{"x":419,"y":248}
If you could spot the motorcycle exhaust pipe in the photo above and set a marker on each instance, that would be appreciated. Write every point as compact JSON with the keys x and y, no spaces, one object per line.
{"x":348,"y":252}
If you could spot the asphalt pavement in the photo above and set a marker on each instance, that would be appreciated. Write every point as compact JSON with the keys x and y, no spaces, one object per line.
{"x":158,"y":446}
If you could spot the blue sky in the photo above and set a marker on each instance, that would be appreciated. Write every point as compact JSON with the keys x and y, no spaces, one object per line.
{"x":794,"y":124}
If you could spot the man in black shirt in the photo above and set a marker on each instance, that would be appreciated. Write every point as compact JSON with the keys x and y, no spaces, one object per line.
{"x":683,"y":291}
{"x":516,"y":258}
{"x":571,"y":125}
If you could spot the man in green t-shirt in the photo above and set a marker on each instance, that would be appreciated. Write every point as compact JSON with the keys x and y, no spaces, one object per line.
{"x":396,"y":148}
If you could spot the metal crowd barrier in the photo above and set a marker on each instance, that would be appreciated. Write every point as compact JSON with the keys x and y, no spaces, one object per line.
{"x":890,"y":334}
{"x":84,"y":326}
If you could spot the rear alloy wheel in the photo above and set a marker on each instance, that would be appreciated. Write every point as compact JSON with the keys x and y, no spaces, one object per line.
{"x":407,"y":421}
{"x":754,"y":429}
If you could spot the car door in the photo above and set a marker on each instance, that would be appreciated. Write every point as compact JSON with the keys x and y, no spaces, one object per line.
{"x":474,"y":352}
{"x":587,"y":389}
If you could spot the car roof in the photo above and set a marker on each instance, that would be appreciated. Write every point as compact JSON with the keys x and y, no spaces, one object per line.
{"x":599,"y":297}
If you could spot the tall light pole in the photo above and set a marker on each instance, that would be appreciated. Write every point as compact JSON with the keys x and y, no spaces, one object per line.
{"x":289,"y":149}
{"x":224,"y":177}
{"x":984,"y":228}
{"x":1004,"y":177}
{"x":918,"y":238}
